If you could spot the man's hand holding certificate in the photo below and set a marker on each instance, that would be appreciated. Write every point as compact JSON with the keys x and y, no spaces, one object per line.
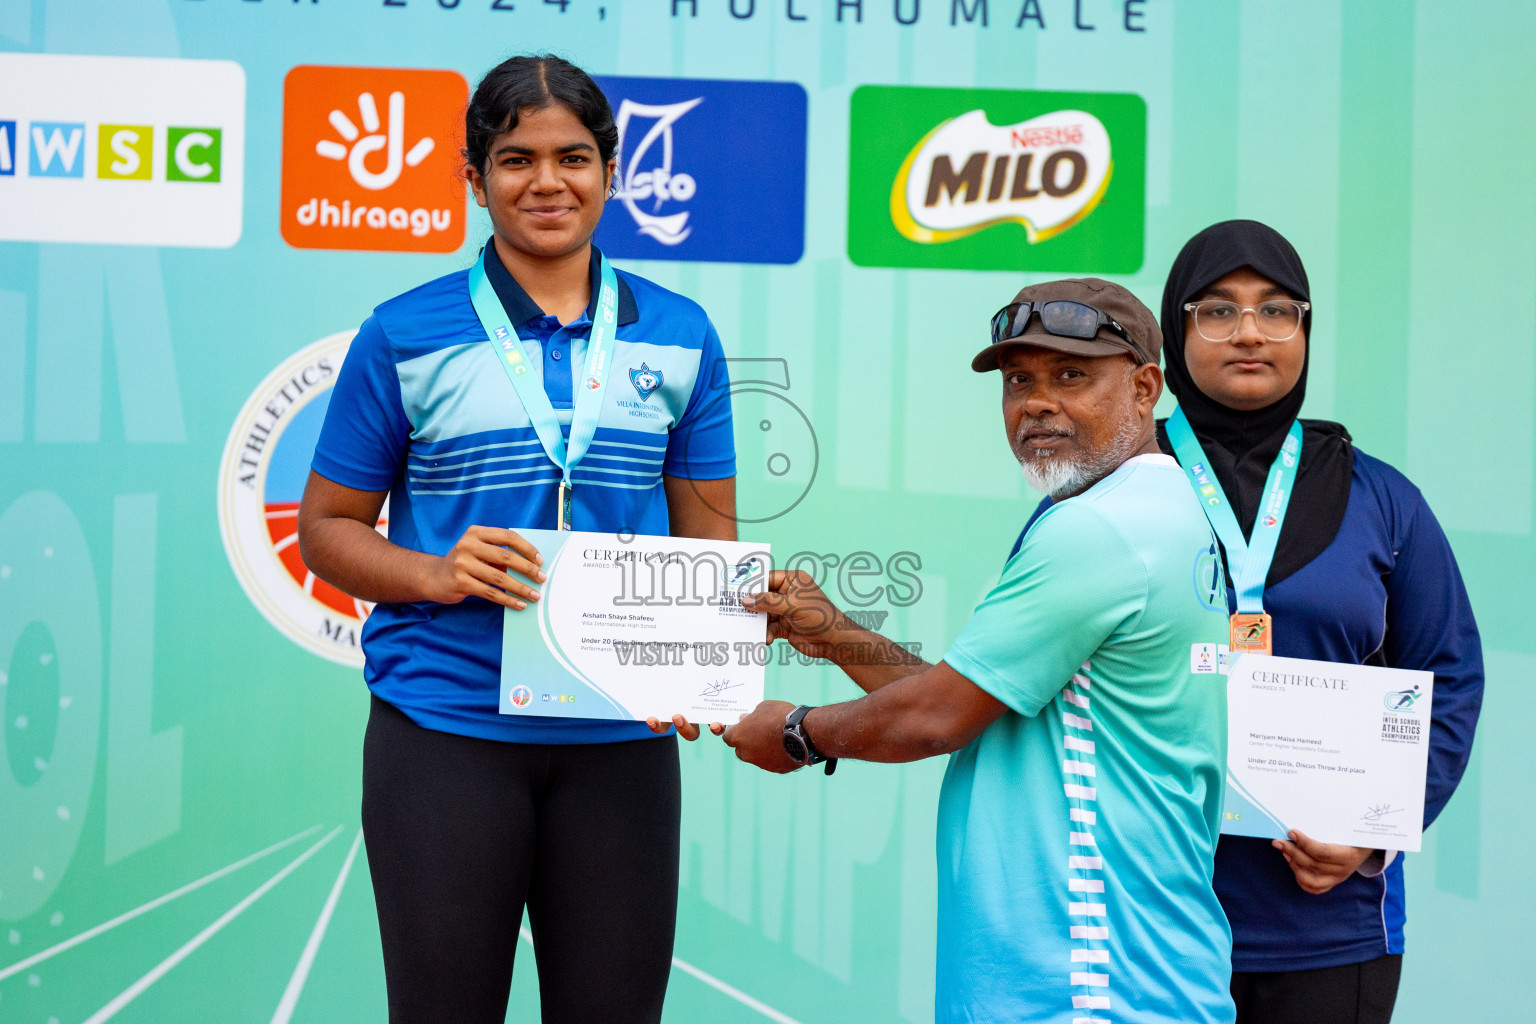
{"x":636,"y":627}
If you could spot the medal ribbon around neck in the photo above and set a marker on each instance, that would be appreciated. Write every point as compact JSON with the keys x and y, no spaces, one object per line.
{"x":1249,"y":559}
{"x":566,"y":455}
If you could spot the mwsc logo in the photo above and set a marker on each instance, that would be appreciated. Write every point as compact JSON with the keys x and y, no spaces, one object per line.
{"x":987,"y":179}
{"x":707,"y":170}
{"x":261,"y":479}
{"x":125,"y":152}
{"x":371,"y":159}
{"x":121,"y":150}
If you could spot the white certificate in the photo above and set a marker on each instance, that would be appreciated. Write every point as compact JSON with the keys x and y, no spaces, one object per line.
{"x":1336,"y":751}
{"x":632,"y":626}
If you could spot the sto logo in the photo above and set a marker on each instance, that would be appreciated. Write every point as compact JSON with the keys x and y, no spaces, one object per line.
{"x":660,"y":183}
{"x":680,"y":197}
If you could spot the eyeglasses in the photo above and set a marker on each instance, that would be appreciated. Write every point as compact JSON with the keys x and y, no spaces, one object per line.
{"x":1220,"y":320}
{"x":1061,"y":317}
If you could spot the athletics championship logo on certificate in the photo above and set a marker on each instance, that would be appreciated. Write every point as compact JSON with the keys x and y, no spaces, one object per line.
{"x":261,"y":479}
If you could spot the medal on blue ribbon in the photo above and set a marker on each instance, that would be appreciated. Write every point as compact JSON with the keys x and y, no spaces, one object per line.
{"x":1248,"y":559}
{"x":588,"y":404}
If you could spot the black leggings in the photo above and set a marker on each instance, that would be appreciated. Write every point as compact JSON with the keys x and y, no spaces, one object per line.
{"x":1352,"y":994}
{"x":462,"y":833}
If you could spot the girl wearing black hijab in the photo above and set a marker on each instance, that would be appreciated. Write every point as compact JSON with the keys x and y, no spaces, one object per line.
{"x":1362,"y":574}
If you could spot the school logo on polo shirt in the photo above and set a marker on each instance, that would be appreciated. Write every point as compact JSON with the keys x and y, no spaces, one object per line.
{"x":121,"y":150}
{"x":371,"y":158}
{"x":261,"y":479}
{"x":707,"y":170}
{"x":992,"y":179}
{"x":645,"y":380}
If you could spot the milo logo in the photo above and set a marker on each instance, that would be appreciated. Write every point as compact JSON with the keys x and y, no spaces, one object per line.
{"x":990,"y":179}
{"x":1047,"y":174}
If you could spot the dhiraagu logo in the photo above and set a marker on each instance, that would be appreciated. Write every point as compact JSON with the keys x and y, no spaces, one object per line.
{"x":986,"y":179}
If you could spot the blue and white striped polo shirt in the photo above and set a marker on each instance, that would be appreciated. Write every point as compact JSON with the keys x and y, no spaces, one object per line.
{"x":422,"y":408}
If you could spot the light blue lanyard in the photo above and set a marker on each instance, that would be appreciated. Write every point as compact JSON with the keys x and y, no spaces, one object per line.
{"x":594,"y":379}
{"x":1249,"y":559}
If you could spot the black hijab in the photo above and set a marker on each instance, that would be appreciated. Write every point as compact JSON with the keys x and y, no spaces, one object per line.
{"x":1241,"y":446}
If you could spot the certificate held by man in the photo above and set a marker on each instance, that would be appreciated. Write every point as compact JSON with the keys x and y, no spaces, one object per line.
{"x":629,"y":627}
{"x":1336,"y":751}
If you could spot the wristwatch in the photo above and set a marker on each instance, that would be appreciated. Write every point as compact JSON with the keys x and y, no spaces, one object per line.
{"x":798,"y":745}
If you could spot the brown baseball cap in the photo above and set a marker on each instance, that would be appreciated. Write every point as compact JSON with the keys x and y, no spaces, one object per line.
{"x":1108,"y":298}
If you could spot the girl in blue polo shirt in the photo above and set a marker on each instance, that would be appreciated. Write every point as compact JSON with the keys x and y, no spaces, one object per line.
{"x":1362,"y":574}
{"x":471,"y":816}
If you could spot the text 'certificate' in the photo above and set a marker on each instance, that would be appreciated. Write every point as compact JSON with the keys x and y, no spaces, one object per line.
{"x":1336,"y":751}
{"x":632,"y":626}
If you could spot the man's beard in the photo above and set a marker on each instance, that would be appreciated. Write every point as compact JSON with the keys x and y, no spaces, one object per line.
{"x":1059,"y":476}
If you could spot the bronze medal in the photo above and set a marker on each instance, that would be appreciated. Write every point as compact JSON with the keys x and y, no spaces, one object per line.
{"x":1252,"y":633}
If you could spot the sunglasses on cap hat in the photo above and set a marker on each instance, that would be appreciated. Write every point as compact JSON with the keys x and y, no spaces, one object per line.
{"x":1064,"y":318}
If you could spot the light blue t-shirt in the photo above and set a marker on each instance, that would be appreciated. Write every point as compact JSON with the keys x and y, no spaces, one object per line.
{"x":1077,"y":833}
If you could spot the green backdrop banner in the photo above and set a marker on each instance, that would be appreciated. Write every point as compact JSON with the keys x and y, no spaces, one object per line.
{"x":200,"y":200}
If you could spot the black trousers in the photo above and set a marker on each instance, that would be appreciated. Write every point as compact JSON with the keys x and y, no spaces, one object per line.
{"x":1352,"y":994}
{"x":462,"y":833}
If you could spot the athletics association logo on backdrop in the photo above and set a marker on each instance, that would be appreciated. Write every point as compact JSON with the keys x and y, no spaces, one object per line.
{"x":371,"y":158}
{"x":990,"y":179}
{"x":121,"y":150}
{"x":261,"y":479}
{"x":707,"y":170}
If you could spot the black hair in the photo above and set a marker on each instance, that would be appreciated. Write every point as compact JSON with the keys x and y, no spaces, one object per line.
{"x":534,"y":81}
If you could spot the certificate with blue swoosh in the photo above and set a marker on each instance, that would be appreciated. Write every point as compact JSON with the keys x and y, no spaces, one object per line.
{"x":633,"y":626}
{"x":1337,"y":751}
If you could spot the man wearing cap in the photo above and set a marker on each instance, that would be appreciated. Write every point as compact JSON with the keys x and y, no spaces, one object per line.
{"x":1079,"y":814}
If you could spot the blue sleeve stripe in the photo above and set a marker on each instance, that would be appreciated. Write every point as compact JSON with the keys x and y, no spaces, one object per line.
{"x":658,"y":460}
{"x":695,"y":468}
{"x":451,"y":453}
{"x":599,"y":475}
{"x":417,"y":492}
{"x":351,"y":476}
{"x":467,"y":477}
{"x":416,"y":467}
{"x":620,"y":487}
{"x":621,"y":444}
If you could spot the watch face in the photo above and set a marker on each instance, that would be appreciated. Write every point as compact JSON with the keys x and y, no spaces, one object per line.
{"x":795,"y":747}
